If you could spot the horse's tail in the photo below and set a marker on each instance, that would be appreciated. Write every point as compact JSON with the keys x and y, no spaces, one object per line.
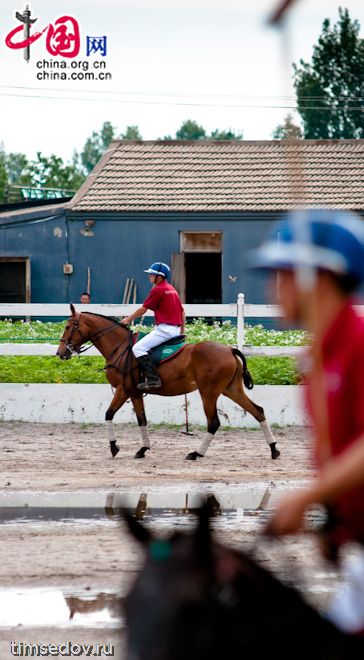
{"x":248,"y":381}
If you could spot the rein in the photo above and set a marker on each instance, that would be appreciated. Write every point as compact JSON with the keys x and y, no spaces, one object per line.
{"x":96,"y":335}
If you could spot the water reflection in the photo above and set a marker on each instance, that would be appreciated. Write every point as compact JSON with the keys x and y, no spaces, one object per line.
{"x":53,"y":607}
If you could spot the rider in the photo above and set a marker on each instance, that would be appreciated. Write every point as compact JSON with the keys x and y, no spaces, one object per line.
{"x":320,"y":261}
{"x":164,"y":301}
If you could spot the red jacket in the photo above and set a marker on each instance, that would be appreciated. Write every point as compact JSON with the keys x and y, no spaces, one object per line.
{"x":343,"y":371}
{"x":164,"y":301}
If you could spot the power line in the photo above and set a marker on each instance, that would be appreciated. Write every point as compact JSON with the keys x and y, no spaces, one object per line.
{"x":326,"y":108}
{"x":181,"y":94}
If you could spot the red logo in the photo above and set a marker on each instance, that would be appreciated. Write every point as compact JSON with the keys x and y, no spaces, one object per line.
{"x":63,"y":37}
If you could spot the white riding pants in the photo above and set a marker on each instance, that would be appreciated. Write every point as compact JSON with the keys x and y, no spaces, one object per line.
{"x":161,"y":333}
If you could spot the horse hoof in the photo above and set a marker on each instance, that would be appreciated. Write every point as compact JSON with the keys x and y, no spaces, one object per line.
{"x":193,"y":455}
{"x":275,"y":453}
{"x":114,"y":449}
{"x":141,"y":452}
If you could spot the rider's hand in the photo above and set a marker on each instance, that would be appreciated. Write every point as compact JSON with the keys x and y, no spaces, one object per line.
{"x":125,"y":321}
{"x":288,"y":518}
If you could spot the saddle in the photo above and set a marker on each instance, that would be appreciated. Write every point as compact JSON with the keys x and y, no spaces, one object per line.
{"x":166,"y":351}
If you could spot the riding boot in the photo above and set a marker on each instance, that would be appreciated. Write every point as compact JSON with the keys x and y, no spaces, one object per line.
{"x":152,"y":379}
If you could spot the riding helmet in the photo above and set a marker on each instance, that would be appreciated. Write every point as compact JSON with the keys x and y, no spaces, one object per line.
{"x":317,"y":239}
{"x":159,"y":268}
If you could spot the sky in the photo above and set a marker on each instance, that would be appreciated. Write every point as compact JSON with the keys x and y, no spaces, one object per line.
{"x":214,"y":61}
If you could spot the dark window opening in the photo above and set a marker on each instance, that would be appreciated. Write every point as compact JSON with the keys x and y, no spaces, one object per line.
{"x":13,"y":281}
{"x":203,"y":277}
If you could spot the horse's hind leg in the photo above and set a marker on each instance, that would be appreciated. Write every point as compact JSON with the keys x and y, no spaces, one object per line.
{"x":213,"y":423}
{"x":138,"y":405}
{"x":118,"y":400}
{"x":236,"y":393}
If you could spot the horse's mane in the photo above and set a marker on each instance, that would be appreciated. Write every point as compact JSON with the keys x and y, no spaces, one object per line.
{"x":108,"y":318}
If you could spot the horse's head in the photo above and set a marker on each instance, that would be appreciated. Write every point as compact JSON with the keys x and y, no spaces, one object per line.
{"x":75,"y":334}
{"x":179,"y":604}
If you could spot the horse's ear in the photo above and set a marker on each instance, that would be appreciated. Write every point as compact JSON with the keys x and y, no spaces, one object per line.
{"x":137,"y":530}
{"x":73,"y":311}
{"x":203,"y":540}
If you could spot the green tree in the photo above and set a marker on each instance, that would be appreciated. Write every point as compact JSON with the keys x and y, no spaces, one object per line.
{"x":51,"y":172}
{"x":17,"y":167}
{"x":190,"y":130}
{"x":225,"y":135}
{"x":330,"y":90}
{"x":3,"y":177}
{"x":96,"y":145}
{"x":288,"y":130}
{"x":131,"y":133}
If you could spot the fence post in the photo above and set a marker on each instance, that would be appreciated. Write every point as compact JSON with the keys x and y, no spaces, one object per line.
{"x":240,"y":321}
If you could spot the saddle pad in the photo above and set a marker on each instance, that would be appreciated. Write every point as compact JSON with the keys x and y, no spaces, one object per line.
{"x":167,"y":350}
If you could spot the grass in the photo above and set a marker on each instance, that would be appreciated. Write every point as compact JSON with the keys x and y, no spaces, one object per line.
{"x":40,"y":369}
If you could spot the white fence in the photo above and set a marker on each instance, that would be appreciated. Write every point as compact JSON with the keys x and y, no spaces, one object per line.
{"x":239,"y":310}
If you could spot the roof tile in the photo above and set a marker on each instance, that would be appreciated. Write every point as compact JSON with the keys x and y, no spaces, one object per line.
{"x":169,"y":176}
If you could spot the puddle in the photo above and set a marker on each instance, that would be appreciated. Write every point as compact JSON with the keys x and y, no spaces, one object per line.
{"x":63,"y":506}
{"x":51,"y":607}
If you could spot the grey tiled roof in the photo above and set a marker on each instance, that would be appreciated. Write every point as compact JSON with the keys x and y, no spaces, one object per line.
{"x":225,"y":176}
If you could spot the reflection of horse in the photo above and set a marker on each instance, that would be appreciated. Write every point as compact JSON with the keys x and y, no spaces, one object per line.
{"x":211,"y":368}
{"x":198,"y":600}
{"x":94,"y":603}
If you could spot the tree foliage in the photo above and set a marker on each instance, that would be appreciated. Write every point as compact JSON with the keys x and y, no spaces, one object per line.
{"x":131,"y":133}
{"x":96,"y":145}
{"x":288,"y":130}
{"x":51,"y":172}
{"x":3,"y":176}
{"x":190,"y":130}
{"x":225,"y":135}
{"x":330,"y":89}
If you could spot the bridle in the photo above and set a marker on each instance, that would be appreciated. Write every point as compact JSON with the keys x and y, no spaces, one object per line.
{"x":96,"y":335}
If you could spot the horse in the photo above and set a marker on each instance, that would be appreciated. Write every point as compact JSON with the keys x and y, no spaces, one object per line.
{"x":194,"y":598}
{"x":208,"y":366}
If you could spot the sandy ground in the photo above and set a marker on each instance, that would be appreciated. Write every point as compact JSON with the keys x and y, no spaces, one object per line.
{"x":77,"y":456}
{"x":77,"y":557}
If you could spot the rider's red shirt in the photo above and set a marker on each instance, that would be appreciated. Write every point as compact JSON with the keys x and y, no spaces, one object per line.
{"x":343,"y":368}
{"x":164,"y":301}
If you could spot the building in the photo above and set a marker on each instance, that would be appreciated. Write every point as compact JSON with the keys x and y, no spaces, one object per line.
{"x":200,"y":206}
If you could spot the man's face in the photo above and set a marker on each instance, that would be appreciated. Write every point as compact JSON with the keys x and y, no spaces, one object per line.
{"x":85,"y":300}
{"x":152,"y":278}
{"x":289,"y":294}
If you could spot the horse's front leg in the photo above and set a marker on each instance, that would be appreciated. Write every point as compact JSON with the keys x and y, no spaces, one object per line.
{"x":138,"y":404}
{"x":119,"y":399}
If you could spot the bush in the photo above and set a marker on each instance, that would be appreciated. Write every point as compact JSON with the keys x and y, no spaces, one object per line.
{"x":39,"y":369}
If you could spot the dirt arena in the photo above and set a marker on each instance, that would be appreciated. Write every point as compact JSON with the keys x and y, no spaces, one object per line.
{"x":77,"y":557}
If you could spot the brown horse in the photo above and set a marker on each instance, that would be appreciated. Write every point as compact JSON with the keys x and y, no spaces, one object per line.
{"x":209,"y":367}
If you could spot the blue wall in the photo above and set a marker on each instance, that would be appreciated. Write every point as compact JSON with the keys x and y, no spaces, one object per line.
{"x":44,"y":241}
{"x":122,"y":246}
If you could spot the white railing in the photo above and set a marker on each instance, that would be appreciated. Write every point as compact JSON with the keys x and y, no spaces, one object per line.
{"x":239,"y":310}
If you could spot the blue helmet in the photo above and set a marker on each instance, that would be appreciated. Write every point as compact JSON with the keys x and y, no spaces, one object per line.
{"x":159,"y":268}
{"x":325,"y":239}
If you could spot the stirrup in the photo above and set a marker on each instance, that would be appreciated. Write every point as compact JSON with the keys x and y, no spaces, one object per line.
{"x":147,"y":384}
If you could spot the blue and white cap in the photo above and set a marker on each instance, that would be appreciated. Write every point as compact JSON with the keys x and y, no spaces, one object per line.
{"x":315,"y":239}
{"x":159,"y":268}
